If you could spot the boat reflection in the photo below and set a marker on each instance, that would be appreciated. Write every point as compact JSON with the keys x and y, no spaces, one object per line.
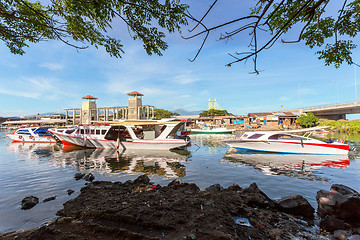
{"x":32,"y":150}
{"x":161,"y":163}
{"x":292,"y":165}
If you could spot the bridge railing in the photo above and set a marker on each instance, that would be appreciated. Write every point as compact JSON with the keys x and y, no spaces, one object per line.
{"x":319,"y":106}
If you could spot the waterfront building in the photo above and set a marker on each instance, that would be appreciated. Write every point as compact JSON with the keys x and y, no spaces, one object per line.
{"x":89,"y":112}
{"x":274,"y":118}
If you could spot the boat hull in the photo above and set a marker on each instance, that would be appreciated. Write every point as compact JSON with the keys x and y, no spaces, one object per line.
{"x":31,"y":138}
{"x":289,"y":147}
{"x":152,"y":144}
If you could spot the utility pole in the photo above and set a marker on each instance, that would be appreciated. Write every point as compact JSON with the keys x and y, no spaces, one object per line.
{"x":355,"y":85}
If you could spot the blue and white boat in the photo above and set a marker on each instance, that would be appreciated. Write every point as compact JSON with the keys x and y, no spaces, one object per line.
{"x":32,"y":135}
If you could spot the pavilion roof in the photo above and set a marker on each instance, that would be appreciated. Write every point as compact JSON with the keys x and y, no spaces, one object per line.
{"x":135,"y":93}
{"x":89,"y":97}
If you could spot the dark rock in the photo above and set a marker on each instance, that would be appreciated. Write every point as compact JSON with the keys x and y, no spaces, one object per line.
{"x":332,"y":224}
{"x":255,"y":197}
{"x":234,"y":187}
{"x":29,"y":202}
{"x":296,"y":205}
{"x":79,"y":176}
{"x":341,"y":202}
{"x":343,"y":189}
{"x":143,"y":179}
{"x":49,"y":199}
{"x":214,"y":188}
{"x":69,"y":191}
{"x":89,"y":177}
{"x":174,"y":182}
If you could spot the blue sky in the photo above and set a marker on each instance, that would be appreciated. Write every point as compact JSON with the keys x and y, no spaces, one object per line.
{"x":52,"y":76}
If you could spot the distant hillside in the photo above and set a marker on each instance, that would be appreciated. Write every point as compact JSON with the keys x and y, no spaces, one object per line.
{"x":184,"y":112}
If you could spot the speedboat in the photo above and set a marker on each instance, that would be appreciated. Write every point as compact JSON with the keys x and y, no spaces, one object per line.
{"x":146,"y":134}
{"x":32,"y":135}
{"x":211,"y":130}
{"x":286,"y":143}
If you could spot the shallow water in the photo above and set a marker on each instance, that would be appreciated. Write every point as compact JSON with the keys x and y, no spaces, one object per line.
{"x":45,"y":170}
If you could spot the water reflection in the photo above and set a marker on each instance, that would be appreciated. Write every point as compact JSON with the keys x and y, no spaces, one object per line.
{"x":33,"y":151}
{"x":292,"y":165}
{"x":161,"y":163}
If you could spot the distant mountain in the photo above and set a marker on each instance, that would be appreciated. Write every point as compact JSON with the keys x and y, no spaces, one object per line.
{"x":184,"y":112}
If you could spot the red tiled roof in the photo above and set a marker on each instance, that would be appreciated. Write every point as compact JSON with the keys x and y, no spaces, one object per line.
{"x":89,"y":97}
{"x":135,"y":93}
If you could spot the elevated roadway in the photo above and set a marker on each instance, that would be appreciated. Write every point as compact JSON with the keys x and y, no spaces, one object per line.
{"x":334,"y":112}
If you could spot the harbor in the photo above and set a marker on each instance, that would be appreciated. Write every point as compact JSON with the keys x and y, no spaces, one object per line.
{"x":249,"y":154}
{"x":46,"y":170}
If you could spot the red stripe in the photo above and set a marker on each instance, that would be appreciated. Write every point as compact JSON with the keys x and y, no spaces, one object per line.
{"x":66,"y":143}
{"x":342,"y":146}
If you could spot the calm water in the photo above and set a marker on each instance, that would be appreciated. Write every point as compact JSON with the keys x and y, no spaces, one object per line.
{"x":45,"y":170}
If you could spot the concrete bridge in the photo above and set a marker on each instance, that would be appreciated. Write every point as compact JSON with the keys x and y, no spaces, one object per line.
{"x":333,"y":112}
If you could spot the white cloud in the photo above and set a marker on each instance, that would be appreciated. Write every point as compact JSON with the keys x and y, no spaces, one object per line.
{"x":19,"y":93}
{"x":185,"y":78}
{"x":284,"y":98}
{"x":12,"y":113}
{"x":52,"y":66}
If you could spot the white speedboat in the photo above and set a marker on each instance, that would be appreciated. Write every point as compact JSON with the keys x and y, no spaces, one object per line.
{"x":147,"y":134}
{"x":285,"y":143}
{"x":32,"y":135}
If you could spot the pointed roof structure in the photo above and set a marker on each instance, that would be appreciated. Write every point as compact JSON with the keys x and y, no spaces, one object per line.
{"x":135,"y":93}
{"x":89,"y":97}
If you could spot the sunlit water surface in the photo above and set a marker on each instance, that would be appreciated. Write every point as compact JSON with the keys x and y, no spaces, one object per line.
{"x":44,"y":170}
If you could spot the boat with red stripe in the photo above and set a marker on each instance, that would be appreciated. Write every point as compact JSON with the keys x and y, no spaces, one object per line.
{"x":287,"y":143}
{"x":32,"y":135}
{"x":129,"y":134}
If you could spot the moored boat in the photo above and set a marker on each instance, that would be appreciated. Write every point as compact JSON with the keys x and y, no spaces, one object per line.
{"x":146,"y":134}
{"x":32,"y":135}
{"x":286,"y":143}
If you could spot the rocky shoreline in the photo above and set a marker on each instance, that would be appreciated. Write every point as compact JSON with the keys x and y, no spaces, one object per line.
{"x":140,"y":210}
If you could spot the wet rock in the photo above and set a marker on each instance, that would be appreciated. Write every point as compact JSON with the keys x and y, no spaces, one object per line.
{"x":174,"y":183}
{"x":89,"y":177}
{"x":143,"y":179}
{"x":340,"y":202}
{"x":256,"y":197}
{"x":343,"y":189}
{"x":341,"y":235}
{"x":49,"y":199}
{"x":29,"y":202}
{"x":69,"y":191}
{"x":234,"y":187}
{"x":332,"y":224}
{"x":296,"y":205}
{"x":214,"y":188}
{"x":79,"y":176}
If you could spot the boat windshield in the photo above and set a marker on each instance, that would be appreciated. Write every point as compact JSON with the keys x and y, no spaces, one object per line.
{"x":23,"y":132}
{"x":42,"y":131}
{"x":285,"y":137}
{"x":118,"y":132}
{"x":255,"y":136}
